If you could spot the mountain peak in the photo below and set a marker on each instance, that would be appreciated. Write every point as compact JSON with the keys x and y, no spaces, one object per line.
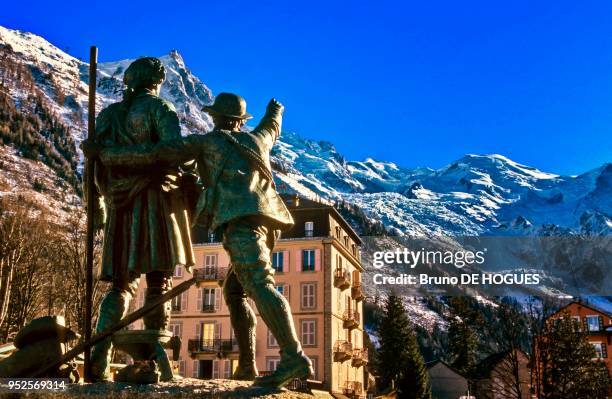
{"x":176,"y":56}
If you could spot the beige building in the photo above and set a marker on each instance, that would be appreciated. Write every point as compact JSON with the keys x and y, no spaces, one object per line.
{"x":318,"y":269}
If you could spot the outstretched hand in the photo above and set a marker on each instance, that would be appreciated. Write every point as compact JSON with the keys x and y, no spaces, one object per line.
{"x":275,"y":106}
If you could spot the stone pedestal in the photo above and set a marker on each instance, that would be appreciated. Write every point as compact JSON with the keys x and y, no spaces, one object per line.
{"x":186,"y":388}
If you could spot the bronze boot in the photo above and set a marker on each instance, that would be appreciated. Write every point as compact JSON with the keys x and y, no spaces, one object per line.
{"x":112,"y":309}
{"x":244,"y":322}
{"x":276,"y":313}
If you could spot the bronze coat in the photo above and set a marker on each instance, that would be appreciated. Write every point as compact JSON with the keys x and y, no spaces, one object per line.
{"x":147,"y":227}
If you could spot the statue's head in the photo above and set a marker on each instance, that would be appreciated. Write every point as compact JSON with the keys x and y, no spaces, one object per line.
{"x":228,"y":111}
{"x":146,"y":72}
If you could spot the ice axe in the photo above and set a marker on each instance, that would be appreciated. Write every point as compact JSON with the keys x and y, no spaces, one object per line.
{"x":127,"y":320}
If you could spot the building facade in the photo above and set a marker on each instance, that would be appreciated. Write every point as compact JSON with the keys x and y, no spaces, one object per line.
{"x":317,"y":268}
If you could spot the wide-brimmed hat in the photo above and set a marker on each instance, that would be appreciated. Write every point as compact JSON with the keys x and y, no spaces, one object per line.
{"x":230,"y":105}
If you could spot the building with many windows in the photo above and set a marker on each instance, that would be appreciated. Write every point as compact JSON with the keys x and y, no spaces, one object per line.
{"x":318,"y":269}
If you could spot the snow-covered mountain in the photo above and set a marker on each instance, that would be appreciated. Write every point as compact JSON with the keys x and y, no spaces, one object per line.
{"x":475,"y":195}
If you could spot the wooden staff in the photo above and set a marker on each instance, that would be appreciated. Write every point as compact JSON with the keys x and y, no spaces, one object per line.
{"x":91,"y":204}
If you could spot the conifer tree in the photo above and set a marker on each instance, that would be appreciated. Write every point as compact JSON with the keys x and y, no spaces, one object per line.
{"x":399,"y":361}
{"x":570,"y":371}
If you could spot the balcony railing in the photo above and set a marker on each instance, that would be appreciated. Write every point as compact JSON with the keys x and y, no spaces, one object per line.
{"x":343,"y":350}
{"x":351,"y":319}
{"x":360,"y":357}
{"x":211,"y":345}
{"x":342,"y":278}
{"x":210,"y":273}
{"x":357,"y":291}
{"x":208,"y":308}
{"x":352,"y":389}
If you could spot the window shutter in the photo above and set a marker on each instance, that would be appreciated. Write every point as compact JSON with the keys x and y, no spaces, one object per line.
{"x":286,"y":292}
{"x":585,"y":324}
{"x":285,"y":261}
{"x":298,"y":261}
{"x":184,"y":301}
{"x":215,"y":372}
{"x":217,"y":298}
{"x":317,"y":259}
{"x":199,"y":303}
{"x":217,"y":330}
{"x":198,"y":331}
{"x":604,"y":350}
{"x":601,"y":324}
{"x":196,"y":367}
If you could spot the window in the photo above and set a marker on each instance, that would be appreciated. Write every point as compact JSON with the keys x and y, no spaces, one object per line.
{"x":272,"y":363}
{"x":272,"y":343}
{"x":309,"y":295}
{"x":309,"y":332}
{"x":181,"y":367}
{"x":315,"y":367}
{"x":178,"y":271}
{"x":229,"y":368}
{"x":208,"y":299}
{"x":308,"y":260}
{"x":175,"y":328}
{"x":211,"y":237}
{"x":601,"y":351}
{"x":179,"y":302}
{"x":283,"y":289}
{"x":277,"y":261}
{"x":592,"y":323}
{"x":210,"y":266}
{"x":308,"y":229}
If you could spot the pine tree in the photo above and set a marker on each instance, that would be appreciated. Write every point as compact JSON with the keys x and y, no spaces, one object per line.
{"x":570,"y":371}
{"x":399,"y":361}
{"x":462,"y":338}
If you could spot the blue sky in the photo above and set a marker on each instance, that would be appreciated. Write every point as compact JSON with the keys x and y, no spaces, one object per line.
{"x":417,"y":83}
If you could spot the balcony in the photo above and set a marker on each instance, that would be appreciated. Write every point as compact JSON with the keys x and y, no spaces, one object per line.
{"x":343,"y":350}
{"x":195,"y":346}
{"x":210,"y":273}
{"x":357,"y":291}
{"x":360,"y":357}
{"x":208,"y":308}
{"x":353,"y":389}
{"x":351,"y":319}
{"x":342,"y":278}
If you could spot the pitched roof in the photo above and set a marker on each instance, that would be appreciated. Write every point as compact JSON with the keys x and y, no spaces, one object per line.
{"x":586,"y":305}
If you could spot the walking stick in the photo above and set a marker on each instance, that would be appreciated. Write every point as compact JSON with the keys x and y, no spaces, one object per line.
{"x":91,"y":204}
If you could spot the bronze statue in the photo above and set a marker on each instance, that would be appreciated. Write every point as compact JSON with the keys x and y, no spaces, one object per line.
{"x":147,"y":228}
{"x":239,"y":197}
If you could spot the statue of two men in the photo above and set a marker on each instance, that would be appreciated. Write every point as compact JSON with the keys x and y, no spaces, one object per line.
{"x":139,"y":174}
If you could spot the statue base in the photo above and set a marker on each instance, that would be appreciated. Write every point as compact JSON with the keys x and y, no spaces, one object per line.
{"x":184,"y":388}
